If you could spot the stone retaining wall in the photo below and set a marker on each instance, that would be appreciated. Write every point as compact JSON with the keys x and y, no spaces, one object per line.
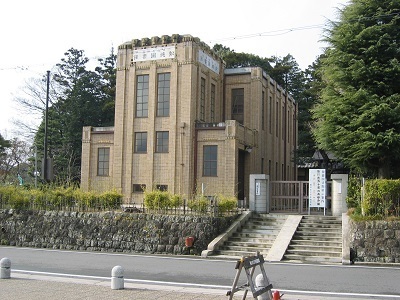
{"x":375,"y":241}
{"x":109,"y":231}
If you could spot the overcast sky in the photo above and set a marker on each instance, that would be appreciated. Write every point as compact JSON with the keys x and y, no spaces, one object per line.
{"x":35,"y":34}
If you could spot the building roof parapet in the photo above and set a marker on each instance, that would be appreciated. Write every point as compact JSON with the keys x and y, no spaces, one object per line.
{"x":247,"y":70}
{"x":103,"y":129}
{"x":165,"y":40}
{"x":220,"y":125}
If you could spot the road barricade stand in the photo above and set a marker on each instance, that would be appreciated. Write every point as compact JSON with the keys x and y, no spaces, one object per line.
{"x":249,"y":264}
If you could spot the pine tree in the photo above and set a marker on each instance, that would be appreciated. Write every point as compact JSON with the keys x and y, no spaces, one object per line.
{"x":358,"y":117}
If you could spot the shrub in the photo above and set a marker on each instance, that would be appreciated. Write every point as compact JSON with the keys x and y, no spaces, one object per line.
{"x":354,"y":192}
{"x":20,"y":199}
{"x":111,"y":199}
{"x":226,"y":203}
{"x":157,"y":199}
{"x":176,"y":201}
{"x":381,"y":197}
{"x":199,"y":204}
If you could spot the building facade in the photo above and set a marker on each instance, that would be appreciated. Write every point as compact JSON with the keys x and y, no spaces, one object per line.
{"x":186,"y":124}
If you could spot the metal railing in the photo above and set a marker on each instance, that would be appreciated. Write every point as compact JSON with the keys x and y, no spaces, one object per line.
{"x":293,"y":197}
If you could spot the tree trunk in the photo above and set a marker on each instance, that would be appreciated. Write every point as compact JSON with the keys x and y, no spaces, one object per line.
{"x":384,"y":169}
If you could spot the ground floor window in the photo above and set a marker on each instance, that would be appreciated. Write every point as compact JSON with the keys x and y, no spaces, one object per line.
{"x":103,"y":162}
{"x":138,"y":188}
{"x":210,"y":160}
{"x":141,"y":142}
{"x":162,"y":187}
{"x":162,"y":141}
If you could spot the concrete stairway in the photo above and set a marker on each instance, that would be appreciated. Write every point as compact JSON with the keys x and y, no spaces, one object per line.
{"x":317,"y":239}
{"x":257,"y":234}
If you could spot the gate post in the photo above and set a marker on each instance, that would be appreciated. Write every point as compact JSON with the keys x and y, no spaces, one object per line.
{"x":259,"y":193}
{"x":339,"y":193}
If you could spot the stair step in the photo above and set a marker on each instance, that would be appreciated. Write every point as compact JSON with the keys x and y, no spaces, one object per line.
{"x":317,"y":225}
{"x":337,"y":242}
{"x":252,"y":240}
{"x":312,"y":234}
{"x":248,"y":243}
{"x":253,"y":235}
{"x":261,"y":232}
{"x":311,"y":248}
{"x":238,"y":254}
{"x":306,"y":253}
{"x":320,"y":259}
{"x":258,"y":234}
{"x":252,"y":249}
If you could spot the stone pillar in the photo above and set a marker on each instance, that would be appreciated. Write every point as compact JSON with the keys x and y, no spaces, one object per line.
{"x":346,"y":257}
{"x":259,"y":193}
{"x":5,"y":268}
{"x":260,"y":283}
{"x":339,"y":193}
{"x":117,"y":278}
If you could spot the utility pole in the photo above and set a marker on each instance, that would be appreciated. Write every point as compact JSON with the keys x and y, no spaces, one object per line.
{"x":45,"y":170}
{"x":36,"y":171}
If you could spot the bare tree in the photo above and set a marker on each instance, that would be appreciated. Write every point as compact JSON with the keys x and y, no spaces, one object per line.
{"x":13,"y":159}
{"x":31,"y":102}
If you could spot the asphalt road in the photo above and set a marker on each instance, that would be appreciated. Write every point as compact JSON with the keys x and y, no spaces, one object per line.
{"x":364,"y":280}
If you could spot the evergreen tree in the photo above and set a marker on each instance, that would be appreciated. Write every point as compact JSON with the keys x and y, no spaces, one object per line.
{"x":108,"y":77}
{"x":358,"y":118}
{"x":237,"y":60}
{"x":309,"y":96}
{"x":4,"y":144}
{"x":287,"y":73}
{"x":84,"y":98}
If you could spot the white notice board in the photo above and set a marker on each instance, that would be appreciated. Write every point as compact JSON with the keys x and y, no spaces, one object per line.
{"x":316,"y":188}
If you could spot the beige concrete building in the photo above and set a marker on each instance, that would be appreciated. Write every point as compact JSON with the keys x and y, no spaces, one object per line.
{"x":185,"y":123}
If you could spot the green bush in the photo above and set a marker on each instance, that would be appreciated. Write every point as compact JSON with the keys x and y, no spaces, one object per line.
{"x":381,"y":197}
{"x":20,"y":199}
{"x":157,"y":199}
{"x":6,"y":193}
{"x":226,"y":203}
{"x":354,"y":192}
{"x":86,"y":200}
{"x":111,"y":199}
{"x":56,"y":198}
{"x":39,"y":199}
{"x":176,"y":201}
{"x":199,"y":204}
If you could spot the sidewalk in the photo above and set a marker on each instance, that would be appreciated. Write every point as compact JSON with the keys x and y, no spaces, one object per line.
{"x":40,"y":287}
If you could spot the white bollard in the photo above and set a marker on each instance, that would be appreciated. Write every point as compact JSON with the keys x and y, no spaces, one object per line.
{"x":117,"y":278}
{"x":5,"y":265}
{"x":260,"y":282}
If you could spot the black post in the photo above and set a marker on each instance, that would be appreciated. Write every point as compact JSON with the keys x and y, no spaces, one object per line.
{"x":46,"y":122}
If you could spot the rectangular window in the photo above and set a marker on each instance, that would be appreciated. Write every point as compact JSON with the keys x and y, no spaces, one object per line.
{"x":269,"y":168}
{"x":142,"y":96}
{"x":262,"y":165}
{"x":103,"y":161}
{"x":212,"y":103}
{"x":294,"y":129}
{"x":210,"y":160}
{"x":238,"y":105}
{"x":262,"y":110}
{"x":270,"y":115}
{"x":283,"y":124}
{"x":141,"y":142}
{"x":163,"y":94}
{"x":202,"y":99}
{"x":138,"y":188}
{"x":276,"y":119}
{"x":162,"y":187}
{"x":162,"y":140}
